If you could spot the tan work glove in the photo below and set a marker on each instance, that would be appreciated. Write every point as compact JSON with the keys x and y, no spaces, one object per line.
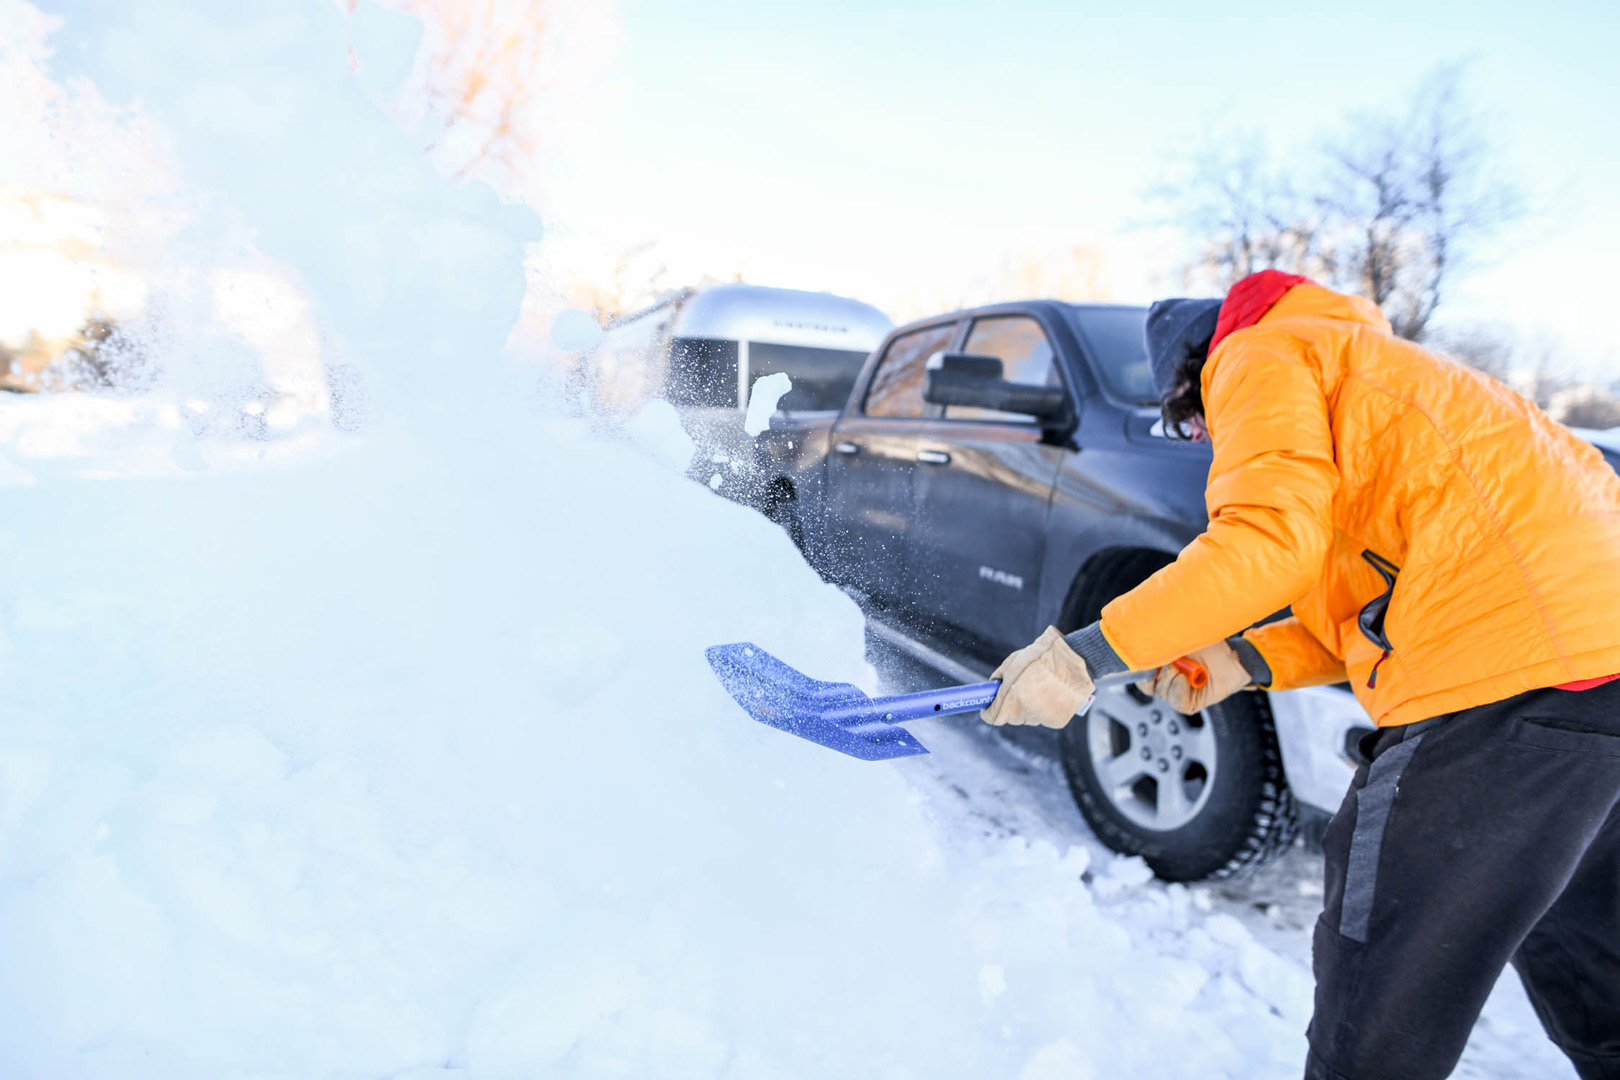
{"x":1227,"y":676}
{"x":1044,"y":683}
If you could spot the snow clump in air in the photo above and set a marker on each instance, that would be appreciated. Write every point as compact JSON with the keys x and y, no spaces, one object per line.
{"x":763,"y":398}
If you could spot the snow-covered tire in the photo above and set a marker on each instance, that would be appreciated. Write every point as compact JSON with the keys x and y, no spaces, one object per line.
{"x":1245,"y":819}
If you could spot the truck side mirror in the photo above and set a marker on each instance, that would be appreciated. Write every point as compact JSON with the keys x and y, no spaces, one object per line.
{"x":961,"y":363}
{"x":964,"y":379}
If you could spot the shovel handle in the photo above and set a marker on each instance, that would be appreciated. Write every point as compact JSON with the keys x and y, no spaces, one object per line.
{"x":959,"y":699}
{"x":1197,"y":674}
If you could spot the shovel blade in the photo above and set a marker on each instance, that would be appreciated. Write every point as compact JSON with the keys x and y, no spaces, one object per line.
{"x":835,"y":715}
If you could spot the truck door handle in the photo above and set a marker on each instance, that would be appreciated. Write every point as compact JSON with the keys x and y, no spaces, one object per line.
{"x":846,"y":448}
{"x":933,"y":457}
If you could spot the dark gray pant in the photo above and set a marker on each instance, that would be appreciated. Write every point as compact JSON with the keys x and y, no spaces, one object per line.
{"x":1473,"y":839}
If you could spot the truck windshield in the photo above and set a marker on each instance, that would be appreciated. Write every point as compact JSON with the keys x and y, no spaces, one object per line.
{"x":822,"y":378}
{"x":1114,"y":337}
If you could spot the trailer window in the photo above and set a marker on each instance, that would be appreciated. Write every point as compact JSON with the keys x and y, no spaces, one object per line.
{"x":702,"y":373}
{"x":822,"y":378}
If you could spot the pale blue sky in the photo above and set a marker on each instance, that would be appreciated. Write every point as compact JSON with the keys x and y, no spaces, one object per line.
{"x":863,"y":146}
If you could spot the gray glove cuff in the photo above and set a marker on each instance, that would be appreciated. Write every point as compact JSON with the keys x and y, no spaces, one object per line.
{"x":1249,"y":656}
{"x":1100,"y":657}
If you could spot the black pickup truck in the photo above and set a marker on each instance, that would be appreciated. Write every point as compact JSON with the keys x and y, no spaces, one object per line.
{"x":1002,"y":469}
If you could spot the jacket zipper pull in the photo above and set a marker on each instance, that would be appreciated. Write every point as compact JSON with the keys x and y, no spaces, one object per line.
{"x":1372,"y":680}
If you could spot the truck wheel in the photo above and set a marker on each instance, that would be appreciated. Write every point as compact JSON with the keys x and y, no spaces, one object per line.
{"x":1196,"y":796}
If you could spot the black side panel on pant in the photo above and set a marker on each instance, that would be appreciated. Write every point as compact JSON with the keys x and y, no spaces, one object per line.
{"x":1467,"y":837}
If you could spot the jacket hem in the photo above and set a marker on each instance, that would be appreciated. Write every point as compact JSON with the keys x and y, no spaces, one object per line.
{"x":1541,"y":676}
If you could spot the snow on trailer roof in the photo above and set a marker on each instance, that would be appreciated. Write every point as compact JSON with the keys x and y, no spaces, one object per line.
{"x":781,"y":317}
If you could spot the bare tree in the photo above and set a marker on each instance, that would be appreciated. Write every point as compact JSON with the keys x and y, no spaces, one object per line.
{"x":1368,"y":241}
{"x":496,"y":80}
{"x":1409,"y":198}
{"x":1242,"y":213}
{"x":1393,"y":208}
{"x":1586,"y":405}
{"x":10,"y":369}
{"x":1486,"y":348}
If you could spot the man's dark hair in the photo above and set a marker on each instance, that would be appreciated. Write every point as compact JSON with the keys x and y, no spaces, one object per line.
{"x":1185,"y":399}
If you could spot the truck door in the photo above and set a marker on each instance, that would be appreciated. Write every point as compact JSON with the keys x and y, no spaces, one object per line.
{"x":984,"y":485}
{"x":871,"y":466}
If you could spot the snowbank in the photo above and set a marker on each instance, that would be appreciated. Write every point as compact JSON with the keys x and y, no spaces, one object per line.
{"x":370,"y":764}
{"x":402,"y":759}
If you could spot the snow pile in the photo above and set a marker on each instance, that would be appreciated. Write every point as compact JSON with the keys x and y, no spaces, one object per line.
{"x":656,"y":428}
{"x":402,"y":759}
{"x":372,"y":765}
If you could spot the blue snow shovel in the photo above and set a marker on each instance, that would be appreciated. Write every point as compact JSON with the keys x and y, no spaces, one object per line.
{"x":840,"y":716}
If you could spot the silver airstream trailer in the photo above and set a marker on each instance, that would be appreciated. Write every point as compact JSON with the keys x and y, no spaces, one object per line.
{"x":703,"y":349}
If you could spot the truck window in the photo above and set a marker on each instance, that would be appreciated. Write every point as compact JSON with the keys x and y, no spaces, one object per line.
{"x":897,"y":385}
{"x":1114,"y":338}
{"x":822,"y":378}
{"x":1026,"y":358}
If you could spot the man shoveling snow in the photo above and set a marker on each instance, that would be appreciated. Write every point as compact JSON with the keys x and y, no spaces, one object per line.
{"x":1455,"y":555}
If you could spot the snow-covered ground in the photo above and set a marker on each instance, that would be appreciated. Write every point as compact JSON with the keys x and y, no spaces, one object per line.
{"x":402,"y":759}
{"x":981,"y":786}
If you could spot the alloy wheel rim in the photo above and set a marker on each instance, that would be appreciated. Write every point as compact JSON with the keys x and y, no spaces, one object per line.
{"x":1155,"y":765}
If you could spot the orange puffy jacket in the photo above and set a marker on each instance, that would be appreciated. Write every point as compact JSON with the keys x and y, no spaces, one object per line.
{"x":1338,"y":445}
